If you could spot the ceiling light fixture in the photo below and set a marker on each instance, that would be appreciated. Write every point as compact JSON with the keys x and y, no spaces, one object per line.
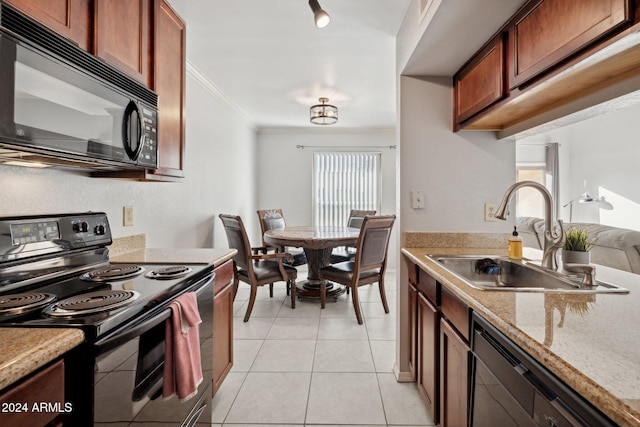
{"x":321,"y":17}
{"x":324,"y":114}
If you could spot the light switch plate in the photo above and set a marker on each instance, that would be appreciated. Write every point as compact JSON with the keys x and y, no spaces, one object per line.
{"x":128,"y":216}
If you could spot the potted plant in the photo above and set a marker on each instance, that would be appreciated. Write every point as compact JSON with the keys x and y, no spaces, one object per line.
{"x":576,"y":246}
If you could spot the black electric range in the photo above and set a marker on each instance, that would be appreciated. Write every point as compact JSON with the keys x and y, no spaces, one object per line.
{"x":55,"y":272}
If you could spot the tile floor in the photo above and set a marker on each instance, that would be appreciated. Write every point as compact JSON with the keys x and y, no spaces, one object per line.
{"x":312,"y":367}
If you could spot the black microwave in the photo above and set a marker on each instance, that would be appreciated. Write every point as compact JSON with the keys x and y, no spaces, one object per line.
{"x":60,"y":105}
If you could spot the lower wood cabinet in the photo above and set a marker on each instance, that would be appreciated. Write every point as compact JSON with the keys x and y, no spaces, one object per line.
{"x":44,"y":387}
{"x":428,"y":344}
{"x":439,"y":327}
{"x":455,"y":363}
{"x":222,"y":323}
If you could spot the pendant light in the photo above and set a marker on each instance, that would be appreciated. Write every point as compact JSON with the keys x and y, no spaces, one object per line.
{"x":321,"y":17}
{"x":323,"y":113}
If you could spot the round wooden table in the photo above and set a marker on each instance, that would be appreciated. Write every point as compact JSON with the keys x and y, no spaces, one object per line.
{"x":317,"y":243}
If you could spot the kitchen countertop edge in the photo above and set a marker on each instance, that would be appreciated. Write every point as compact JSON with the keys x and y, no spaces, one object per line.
{"x":612,"y":406}
{"x":176,"y":256}
{"x":25,"y":350}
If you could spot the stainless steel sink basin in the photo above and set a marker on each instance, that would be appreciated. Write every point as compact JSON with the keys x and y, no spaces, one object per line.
{"x":511,"y":275}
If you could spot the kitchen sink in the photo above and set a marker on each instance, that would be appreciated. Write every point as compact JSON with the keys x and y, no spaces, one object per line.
{"x":502,"y":274}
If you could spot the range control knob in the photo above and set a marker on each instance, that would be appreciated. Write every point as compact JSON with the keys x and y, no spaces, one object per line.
{"x":81,"y":227}
{"x":100,"y":229}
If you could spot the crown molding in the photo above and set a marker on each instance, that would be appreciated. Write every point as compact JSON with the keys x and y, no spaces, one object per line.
{"x":196,"y":75}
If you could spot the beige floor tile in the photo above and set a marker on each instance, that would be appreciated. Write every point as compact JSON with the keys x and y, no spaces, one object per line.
{"x":305,"y":308}
{"x":286,"y":328}
{"x":271,"y":398}
{"x":244,"y":353}
{"x":336,"y":328}
{"x":343,"y":356}
{"x":255,"y":329}
{"x":402,"y":403}
{"x":285,"y":356}
{"x":345,"y":398}
{"x":225,"y":396}
{"x":381,"y":328}
{"x":384,"y":355}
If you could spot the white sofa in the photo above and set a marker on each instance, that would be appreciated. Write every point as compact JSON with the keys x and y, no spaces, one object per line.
{"x":613,"y":247}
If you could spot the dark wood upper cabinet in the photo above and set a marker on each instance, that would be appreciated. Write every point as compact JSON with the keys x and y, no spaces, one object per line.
{"x":70,"y":18}
{"x":546,"y":32}
{"x":170,"y":84}
{"x":123,"y":36}
{"x":481,"y":82}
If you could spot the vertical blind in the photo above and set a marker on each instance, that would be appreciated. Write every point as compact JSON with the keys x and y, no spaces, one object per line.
{"x":342,"y":182}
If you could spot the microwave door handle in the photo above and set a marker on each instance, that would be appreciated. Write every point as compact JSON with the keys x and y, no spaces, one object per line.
{"x":126,"y":128}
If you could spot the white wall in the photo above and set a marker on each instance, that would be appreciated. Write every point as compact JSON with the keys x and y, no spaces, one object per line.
{"x":600,"y":156}
{"x":459,"y":172}
{"x":284,"y":176}
{"x":220,"y":145}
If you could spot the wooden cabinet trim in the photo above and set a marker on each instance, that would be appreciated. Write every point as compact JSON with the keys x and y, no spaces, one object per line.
{"x":224,"y":276}
{"x":222,"y":323}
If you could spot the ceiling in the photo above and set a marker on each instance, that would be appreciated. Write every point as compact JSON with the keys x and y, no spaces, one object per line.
{"x":267,"y":59}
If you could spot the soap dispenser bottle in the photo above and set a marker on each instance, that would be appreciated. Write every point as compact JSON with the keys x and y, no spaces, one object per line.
{"x":515,"y":245}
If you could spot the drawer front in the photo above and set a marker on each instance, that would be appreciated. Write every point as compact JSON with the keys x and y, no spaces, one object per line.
{"x":429,"y":287}
{"x":45,"y":386}
{"x":456,"y":312}
{"x":224,"y":276}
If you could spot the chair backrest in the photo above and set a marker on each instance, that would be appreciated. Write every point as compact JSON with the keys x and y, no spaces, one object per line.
{"x":373,"y":242}
{"x":270,"y":219}
{"x":238,"y":240}
{"x":356,"y":217}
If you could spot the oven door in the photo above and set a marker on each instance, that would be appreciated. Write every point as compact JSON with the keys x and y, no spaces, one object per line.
{"x":129,"y":372}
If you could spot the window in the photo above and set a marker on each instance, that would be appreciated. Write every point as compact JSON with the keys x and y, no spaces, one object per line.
{"x":529,"y":201}
{"x":342,"y":182}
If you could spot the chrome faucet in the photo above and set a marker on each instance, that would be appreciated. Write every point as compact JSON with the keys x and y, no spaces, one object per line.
{"x":552,"y":240}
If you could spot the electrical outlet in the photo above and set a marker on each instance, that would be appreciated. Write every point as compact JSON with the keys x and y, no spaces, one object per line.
{"x":489,"y":212}
{"x":128,"y":216}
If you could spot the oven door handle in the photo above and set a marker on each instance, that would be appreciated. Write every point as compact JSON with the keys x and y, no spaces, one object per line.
{"x":137,"y":329}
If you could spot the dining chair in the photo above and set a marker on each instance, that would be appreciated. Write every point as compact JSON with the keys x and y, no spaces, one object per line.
{"x":347,"y":253}
{"x":273,"y":219}
{"x":369,"y":265}
{"x":254,"y":266}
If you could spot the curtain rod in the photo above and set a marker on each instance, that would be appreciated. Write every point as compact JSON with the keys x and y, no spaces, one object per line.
{"x":390,"y":147}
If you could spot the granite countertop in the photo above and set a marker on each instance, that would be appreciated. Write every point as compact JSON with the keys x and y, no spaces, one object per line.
{"x":24,"y":350}
{"x":591,"y":342}
{"x":173,"y":256}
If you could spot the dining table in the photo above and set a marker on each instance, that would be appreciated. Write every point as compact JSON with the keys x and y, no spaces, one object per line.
{"x":317,"y":242}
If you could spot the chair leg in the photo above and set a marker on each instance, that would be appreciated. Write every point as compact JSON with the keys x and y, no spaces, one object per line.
{"x":323,"y":293}
{"x":356,"y":304}
{"x":252,"y":300}
{"x":383,"y":295}
{"x":288,"y":288}
{"x":292,"y":285}
{"x":270,"y":290}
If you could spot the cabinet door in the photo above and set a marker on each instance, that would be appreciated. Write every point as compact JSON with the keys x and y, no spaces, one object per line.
{"x":428,"y":355}
{"x":413,"y":329}
{"x":481,"y":82}
{"x":170,"y":84}
{"x":222,"y":324}
{"x":548,"y":31}
{"x":123,"y":36}
{"x":70,"y":18}
{"x":455,"y":357}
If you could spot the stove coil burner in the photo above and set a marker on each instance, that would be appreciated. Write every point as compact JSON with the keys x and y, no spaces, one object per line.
{"x":169,"y":272}
{"x":91,"y":303}
{"x":113,"y":272}
{"x":20,"y":303}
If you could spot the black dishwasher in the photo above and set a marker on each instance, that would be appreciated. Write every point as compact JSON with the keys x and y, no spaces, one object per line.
{"x":509,"y":388}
